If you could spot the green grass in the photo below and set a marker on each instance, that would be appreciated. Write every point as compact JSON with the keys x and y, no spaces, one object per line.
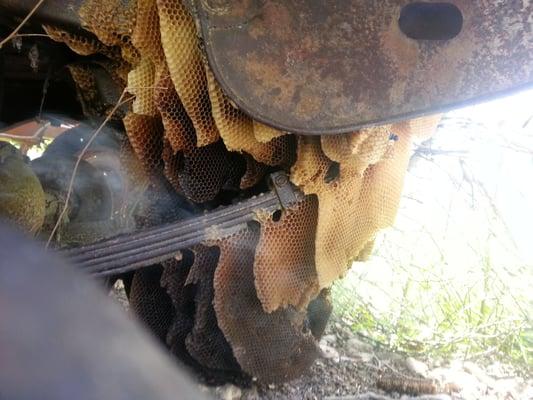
{"x":417,"y":295}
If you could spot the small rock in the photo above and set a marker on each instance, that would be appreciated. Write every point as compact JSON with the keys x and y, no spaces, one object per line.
{"x":348,"y":359}
{"x":251,"y":394}
{"x":229,"y":392}
{"x":417,"y":367}
{"x":364,"y":357}
{"x":357,"y":345}
{"x":329,"y":352}
{"x":329,"y":339}
{"x":204,"y":389}
{"x":475,"y":370}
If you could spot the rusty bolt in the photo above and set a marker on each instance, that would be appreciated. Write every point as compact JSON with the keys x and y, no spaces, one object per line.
{"x":281,"y":180}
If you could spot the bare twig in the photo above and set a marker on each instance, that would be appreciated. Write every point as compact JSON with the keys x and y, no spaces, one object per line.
{"x":23,"y":22}
{"x":31,"y":35}
{"x":119,"y":103}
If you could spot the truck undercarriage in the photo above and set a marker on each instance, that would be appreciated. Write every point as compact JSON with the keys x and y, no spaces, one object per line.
{"x":230,"y":160}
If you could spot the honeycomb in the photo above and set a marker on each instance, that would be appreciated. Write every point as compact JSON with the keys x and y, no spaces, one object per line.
{"x":354,"y":206}
{"x":118,"y":71}
{"x":86,"y":89}
{"x":150,"y":302}
{"x":146,"y":35}
{"x":179,"y":129}
{"x":424,"y":127}
{"x":112,"y":21}
{"x":269,"y":346}
{"x":318,"y":313}
{"x":81,"y":45}
{"x":284,"y":266}
{"x":173,"y":280}
{"x":171,"y":164}
{"x":237,"y":129}
{"x":145,"y":134}
{"x":141,"y":83}
{"x":206,"y":343}
{"x":184,"y":332}
{"x":205,"y":171}
{"x":132,"y":168}
{"x":311,"y":168}
{"x":180,"y":44}
{"x":255,"y":172}
{"x":264,"y":133}
{"x":253,"y":304}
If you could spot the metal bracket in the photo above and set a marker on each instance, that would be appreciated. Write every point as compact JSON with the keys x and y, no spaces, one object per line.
{"x":145,"y":248}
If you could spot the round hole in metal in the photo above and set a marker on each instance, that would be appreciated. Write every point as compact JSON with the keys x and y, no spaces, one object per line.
{"x":431,"y":21}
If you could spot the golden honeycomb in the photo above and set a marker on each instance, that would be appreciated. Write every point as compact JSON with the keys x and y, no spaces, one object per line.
{"x":256,"y":302}
{"x":82,"y":45}
{"x":264,"y":133}
{"x":141,"y":83}
{"x":179,"y":129}
{"x":284,"y":266}
{"x":180,"y":44}
{"x":237,"y":129}
{"x":145,"y":134}
{"x":269,"y":346}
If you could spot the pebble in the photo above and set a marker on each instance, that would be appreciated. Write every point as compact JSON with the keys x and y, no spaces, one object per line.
{"x":229,"y":392}
{"x":365,"y":357}
{"x":329,"y":352}
{"x":460,"y":380}
{"x":329,"y":339}
{"x":416,"y":366}
{"x":475,"y":370}
{"x":357,"y":345}
{"x":251,"y":394}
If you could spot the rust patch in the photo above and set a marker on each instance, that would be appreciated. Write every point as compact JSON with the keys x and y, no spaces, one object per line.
{"x":320,"y":67}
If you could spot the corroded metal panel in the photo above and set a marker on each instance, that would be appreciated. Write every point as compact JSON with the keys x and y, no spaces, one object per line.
{"x":323,"y":66}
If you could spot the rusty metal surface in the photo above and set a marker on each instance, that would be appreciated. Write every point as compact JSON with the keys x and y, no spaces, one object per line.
{"x":146,"y":248}
{"x":319,"y":66}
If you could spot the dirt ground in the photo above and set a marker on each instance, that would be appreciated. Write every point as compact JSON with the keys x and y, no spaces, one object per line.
{"x":351,"y":369}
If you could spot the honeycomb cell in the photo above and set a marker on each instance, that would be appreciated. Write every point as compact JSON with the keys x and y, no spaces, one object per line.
{"x":206,"y":343}
{"x":359,"y":148}
{"x":173,"y":279}
{"x":112,"y":21}
{"x":171,"y":167}
{"x":272,"y":347}
{"x":205,"y":171}
{"x":311,"y":167}
{"x":354,"y":206}
{"x":255,"y":172}
{"x":260,"y":296}
{"x":179,"y":129}
{"x":237,"y":129}
{"x":87,"y":90}
{"x":146,"y":36}
{"x":181,"y":48}
{"x":150,"y":302}
{"x":81,"y":44}
{"x":264,"y":133}
{"x":146,"y":137}
{"x":141,"y":83}
{"x":424,"y":127}
{"x":284,"y":266}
